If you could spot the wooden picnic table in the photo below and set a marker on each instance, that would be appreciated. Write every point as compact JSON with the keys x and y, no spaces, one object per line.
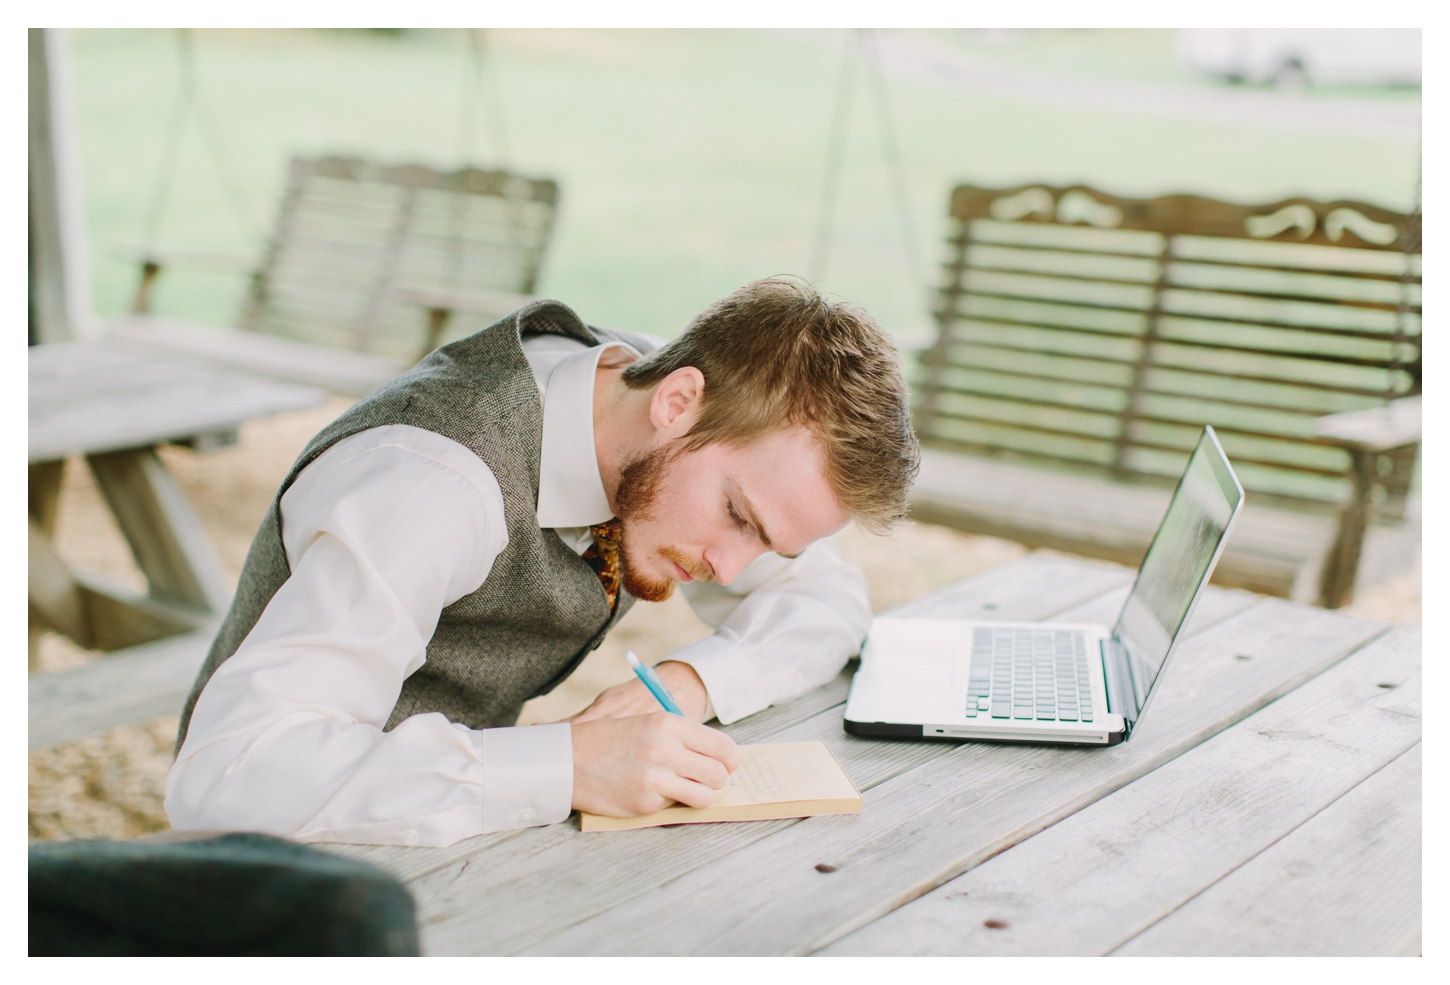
{"x":114,"y":406}
{"x":1269,"y":803}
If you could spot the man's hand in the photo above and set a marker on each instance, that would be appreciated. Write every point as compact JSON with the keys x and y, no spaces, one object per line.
{"x":624,"y":767}
{"x":633,"y":698}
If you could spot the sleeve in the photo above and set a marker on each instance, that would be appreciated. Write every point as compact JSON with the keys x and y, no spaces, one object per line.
{"x":782,"y":627}
{"x":382,"y":532}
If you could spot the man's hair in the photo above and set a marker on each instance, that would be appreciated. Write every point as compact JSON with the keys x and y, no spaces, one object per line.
{"x":777,"y":354}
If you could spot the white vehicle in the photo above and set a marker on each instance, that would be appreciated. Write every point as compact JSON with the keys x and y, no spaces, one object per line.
{"x":1295,"y":57}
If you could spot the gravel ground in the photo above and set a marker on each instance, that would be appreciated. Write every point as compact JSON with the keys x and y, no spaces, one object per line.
{"x":112,"y":786}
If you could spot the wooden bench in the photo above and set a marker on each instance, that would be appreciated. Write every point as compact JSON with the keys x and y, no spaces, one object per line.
{"x":364,"y":271}
{"x":1084,"y":340}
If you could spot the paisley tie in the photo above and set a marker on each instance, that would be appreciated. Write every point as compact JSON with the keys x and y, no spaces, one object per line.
{"x":603,"y":556}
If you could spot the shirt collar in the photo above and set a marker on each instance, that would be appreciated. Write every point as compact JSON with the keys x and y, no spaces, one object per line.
{"x":571,"y":493}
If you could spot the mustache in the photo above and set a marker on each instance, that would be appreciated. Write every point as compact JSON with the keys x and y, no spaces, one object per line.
{"x":696,"y":569}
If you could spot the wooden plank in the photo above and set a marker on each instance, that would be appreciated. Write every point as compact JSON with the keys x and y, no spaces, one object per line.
{"x":927,"y":826}
{"x":1273,"y":551}
{"x":414,"y":863}
{"x":59,"y":292}
{"x":1104,"y":874}
{"x":91,"y":397}
{"x":1031,"y":294}
{"x":352,"y":373}
{"x":486,"y":302}
{"x":164,"y":532}
{"x":518,"y":896}
{"x":409,"y":864}
{"x":1345,"y":883}
{"x":1396,"y":424}
{"x":53,"y":591}
{"x":44,"y":493}
{"x":518,"y":892}
{"x":128,"y":687}
{"x":119,"y":618}
{"x":1177,"y":214}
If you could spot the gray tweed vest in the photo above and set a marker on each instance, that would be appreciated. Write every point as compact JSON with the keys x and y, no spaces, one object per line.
{"x":542,"y":608}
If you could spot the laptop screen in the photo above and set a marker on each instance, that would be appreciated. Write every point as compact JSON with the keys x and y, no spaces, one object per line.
{"x":1178,"y":562}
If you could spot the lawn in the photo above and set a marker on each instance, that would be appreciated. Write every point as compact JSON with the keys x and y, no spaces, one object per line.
{"x":690,"y":161}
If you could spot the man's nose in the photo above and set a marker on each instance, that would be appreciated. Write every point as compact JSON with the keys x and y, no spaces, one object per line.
{"x":729,"y":561}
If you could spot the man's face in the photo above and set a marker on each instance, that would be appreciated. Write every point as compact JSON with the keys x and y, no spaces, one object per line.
{"x":706,"y":514}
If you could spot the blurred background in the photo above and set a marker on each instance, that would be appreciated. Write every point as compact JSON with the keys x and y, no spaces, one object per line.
{"x":690,"y":162}
{"x":687,"y":163}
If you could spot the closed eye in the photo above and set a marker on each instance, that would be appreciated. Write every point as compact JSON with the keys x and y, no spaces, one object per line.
{"x":744,"y":525}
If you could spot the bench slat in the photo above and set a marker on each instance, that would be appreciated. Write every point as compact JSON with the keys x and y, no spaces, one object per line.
{"x":1255,"y":319}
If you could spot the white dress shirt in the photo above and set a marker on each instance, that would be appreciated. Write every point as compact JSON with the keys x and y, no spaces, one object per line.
{"x":384,"y":530}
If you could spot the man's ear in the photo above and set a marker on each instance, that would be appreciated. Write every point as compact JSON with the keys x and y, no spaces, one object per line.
{"x":675,"y":406}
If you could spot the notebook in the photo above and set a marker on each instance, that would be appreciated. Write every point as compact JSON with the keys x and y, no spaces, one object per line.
{"x":774,"y":780}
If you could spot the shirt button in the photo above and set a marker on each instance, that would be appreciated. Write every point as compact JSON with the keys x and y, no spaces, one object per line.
{"x":526,"y":815}
{"x":410,"y":837}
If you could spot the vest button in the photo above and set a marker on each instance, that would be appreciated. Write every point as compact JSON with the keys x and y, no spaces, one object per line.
{"x":526,"y":815}
{"x":410,"y":837}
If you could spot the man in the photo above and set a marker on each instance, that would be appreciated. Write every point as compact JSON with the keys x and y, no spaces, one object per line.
{"x":457,"y":542}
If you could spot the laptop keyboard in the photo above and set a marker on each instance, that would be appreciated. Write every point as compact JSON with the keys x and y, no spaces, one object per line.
{"x":1023,"y":673}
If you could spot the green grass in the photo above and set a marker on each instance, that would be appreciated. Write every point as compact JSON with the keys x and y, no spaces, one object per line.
{"x":690,"y":161}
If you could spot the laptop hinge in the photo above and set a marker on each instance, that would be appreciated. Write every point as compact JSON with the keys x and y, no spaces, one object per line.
{"x":1118,"y":678}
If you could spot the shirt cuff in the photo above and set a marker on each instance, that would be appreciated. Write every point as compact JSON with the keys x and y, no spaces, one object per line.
{"x":718,"y":662}
{"x":528,"y":775}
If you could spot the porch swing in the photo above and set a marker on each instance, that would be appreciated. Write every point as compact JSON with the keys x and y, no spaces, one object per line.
{"x":367,"y":264}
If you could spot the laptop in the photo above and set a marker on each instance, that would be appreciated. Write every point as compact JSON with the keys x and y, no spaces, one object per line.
{"x":1070,"y":683}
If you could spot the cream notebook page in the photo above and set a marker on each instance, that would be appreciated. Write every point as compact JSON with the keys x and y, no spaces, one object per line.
{"x":781,"y":779}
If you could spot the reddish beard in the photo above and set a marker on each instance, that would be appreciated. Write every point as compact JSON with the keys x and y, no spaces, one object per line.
{"x":639,"y":488}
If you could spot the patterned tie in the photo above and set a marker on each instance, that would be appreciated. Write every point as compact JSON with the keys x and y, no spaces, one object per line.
{"x":603,"y":556}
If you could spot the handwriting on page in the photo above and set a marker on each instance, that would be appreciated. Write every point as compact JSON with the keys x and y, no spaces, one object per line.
{"x":775,"y":773}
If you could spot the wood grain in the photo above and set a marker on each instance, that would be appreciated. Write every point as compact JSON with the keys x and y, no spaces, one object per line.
{"x":515,"y":893}
{"x":1104,"y":874}
{"x":926,"y":826}
{"x":354,"y":374}
{"x":522,"y":890}
{"x":1345,"y":883}
{"x":354,"y":242}
{"x":1188,"y":214}
{"x":1095,"y":336}
{"x":164,"y":532}
{"x":129,"y":686}
{"x":54,"y":594}
{"x":90,"y":397}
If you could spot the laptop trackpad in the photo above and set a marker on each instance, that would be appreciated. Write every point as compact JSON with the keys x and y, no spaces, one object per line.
{"x":911,"y":685}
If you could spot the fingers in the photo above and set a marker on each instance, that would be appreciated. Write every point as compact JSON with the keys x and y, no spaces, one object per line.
{"x":639,"y":764}
{"x":687,"y":792}
{"x":701,"y":769}
{"x":713,"y":743}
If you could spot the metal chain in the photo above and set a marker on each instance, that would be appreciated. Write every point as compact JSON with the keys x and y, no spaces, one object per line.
{"x":835,"y":152}
{"x":891,"y":153}
{"x":189,"y":100}
{"x":862,"y":45}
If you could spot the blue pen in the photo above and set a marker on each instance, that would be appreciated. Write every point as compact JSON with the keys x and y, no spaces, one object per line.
{"x":652,"y":681}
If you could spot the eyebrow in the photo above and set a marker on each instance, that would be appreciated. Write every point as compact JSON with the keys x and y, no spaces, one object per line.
{"x":760,"y":531}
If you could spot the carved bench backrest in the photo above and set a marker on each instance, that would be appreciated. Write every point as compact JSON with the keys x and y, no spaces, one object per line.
{"x":353,"y":239}
{"x":1098,"y":333}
